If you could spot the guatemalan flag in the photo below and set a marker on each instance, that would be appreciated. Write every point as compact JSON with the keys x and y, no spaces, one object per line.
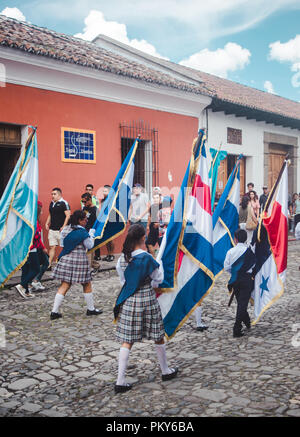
{"x":18,"y":211}
{"x":186,"y":251}
{"x":271,"y":244}
{"x":226,"y":219}
{"x":112,"y":219}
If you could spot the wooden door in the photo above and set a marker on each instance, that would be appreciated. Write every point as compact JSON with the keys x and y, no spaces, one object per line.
{"x":275,"y":163}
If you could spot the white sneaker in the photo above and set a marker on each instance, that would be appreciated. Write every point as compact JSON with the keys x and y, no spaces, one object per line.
{"x":38,"y":286}
{"x":29,"y":295}
{"x":21,"y":291}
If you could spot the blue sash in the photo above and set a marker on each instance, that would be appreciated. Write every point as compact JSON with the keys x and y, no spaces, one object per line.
{"x":136,"y":272}
{"x":240,"y":267}
{"x":72,"y":240}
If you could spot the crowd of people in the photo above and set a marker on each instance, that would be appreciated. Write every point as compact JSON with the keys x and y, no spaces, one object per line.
{"x":136,"y":311}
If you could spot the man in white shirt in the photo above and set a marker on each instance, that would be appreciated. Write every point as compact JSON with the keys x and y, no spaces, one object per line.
{"x":139,"y":207}
{"x":240,"y":261}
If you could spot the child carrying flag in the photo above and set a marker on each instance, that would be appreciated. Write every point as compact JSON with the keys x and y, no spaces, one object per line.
{"x":240,"y":261}
{"x":137,"y":309}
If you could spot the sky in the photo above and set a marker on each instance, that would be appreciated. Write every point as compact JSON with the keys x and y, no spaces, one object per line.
{"x":253,"y":42}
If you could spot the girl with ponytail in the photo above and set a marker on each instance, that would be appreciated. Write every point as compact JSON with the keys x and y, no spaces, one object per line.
{"x":73,"y":265}
{"x":137,"y":311}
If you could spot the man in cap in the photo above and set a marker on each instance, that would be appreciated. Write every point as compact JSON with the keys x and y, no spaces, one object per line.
{"x":263,"y":198}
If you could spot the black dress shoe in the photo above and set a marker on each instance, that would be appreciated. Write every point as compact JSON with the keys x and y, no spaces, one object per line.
{"x":169,"y":376}
{"x":122,"y":388}
{"x":54,"y":316}
{"x":93,"y":312}
{"x":201,"y":328}
{"x":238,"y":334}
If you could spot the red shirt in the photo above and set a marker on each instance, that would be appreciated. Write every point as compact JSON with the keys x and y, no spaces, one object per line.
{"x":37,"y":239}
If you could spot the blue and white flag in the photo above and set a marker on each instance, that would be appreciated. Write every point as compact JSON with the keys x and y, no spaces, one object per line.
{"x":186,"y":251}
{"x":112,"y":219}
{"x":226,"y":219}
{"x":18,"y":211}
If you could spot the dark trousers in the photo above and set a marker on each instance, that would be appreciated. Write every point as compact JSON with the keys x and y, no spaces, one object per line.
{"x":44,"y":263}
{"x":30,"y":269}
{"x":242,"y":290}
{"x":296,"y":220}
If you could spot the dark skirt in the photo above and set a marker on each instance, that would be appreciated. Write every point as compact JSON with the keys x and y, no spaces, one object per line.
{"x":74,"y":267}
{"x":140,"y":317}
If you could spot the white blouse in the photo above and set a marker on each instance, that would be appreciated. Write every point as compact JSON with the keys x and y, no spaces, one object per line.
{"x":157,"y":275}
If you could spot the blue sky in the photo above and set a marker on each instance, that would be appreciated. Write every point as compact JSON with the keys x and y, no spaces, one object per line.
{"x":255,"y":42}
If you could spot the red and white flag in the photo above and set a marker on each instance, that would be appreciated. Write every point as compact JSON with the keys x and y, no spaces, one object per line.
{"x":271,"y":248}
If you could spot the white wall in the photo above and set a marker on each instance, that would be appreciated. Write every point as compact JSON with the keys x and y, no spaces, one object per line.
{"x":252,"y":142}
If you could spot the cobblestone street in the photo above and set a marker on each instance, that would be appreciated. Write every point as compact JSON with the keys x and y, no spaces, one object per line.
{"x":68,"y":367}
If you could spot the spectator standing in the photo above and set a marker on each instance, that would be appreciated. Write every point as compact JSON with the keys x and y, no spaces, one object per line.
{"x":139,"y":207}
{"x":252,"y":219}
{"x":73,"y":265}
{"x":296,"y":210}
{"x":250,"y":187}
{"x":89,"y":188}
{"x":263,"y":198}
{"x":59,"y":214}
{"x":254,"y":203}
{"x":91,"y":214}
{"x":42,"y":255}
{"x":153,"y":224}
{"x":243,"y":212}
{"x":32,"y":266}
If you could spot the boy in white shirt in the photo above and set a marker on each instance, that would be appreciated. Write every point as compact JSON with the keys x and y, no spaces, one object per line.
{"x":240,"y":261}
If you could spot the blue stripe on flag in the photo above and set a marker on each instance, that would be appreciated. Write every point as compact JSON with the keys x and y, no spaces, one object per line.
{"x":185,"y":301}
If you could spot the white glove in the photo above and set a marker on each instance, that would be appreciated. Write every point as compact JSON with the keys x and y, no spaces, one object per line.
{"x":92,"y":233}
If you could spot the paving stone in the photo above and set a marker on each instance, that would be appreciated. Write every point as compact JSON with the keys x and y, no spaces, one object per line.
{"x":44,"y":376}
{"x":211,"y":395}
{"x":53,"y":413}
{"x":38,"y":357}
{"x":57,"y":372}
{"x":32,"y":408}
{"x":22,"y":384}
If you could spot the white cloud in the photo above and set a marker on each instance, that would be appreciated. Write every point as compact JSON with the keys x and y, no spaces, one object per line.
{"x":288,"y":52}
{"x":13,"y":13}
{"x":95,"y":24}
{"x":221,"y":61}
{"x":268,"y":86}
{"x":178,"y":27}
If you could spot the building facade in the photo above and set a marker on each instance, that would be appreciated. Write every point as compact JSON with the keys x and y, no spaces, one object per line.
{"x":90,"y":101}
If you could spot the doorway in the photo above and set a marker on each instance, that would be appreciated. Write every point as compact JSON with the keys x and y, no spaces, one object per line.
{"x":10,"y":147}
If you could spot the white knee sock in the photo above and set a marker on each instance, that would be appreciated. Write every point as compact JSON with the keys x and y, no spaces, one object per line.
{"x":57,"y":302}
{"x":162,"y":358}
{"x":198,"y":316}
{"x":123,"y":361}
{"x":89,"y":301}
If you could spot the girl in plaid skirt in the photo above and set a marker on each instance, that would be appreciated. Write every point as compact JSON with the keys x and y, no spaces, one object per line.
{"x":137,"y":310}
{"x":73,"y":265}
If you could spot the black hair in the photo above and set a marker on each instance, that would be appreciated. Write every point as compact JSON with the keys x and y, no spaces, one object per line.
{"x":250,"y":183}
{"x":245,"y":201}
{"x":57,"y":189}
{"x":107,"y":186}
{"x":76,"y":216}
{"x":134,"y":235}
{"x":86,"y":196}
{"x":89,"y":185}
{"x":255,"y":195}
{"x":240,"y":235}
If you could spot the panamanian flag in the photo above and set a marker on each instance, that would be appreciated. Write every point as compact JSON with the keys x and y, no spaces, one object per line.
{"x":186,"y":251}
{"x":226,"y":219}
{"x":112,"y":219}
{"x":18,"y":211}
{"x":271,"y":244}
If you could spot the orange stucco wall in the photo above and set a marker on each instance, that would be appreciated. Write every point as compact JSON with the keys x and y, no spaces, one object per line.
{"x":52,"y":110}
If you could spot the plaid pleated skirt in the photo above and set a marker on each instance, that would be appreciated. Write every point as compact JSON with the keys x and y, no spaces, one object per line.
{"x":74,"y":267}
{"x":140,"y":317}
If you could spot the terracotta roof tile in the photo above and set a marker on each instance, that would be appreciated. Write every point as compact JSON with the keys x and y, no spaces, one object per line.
{"x":44,"y":42}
